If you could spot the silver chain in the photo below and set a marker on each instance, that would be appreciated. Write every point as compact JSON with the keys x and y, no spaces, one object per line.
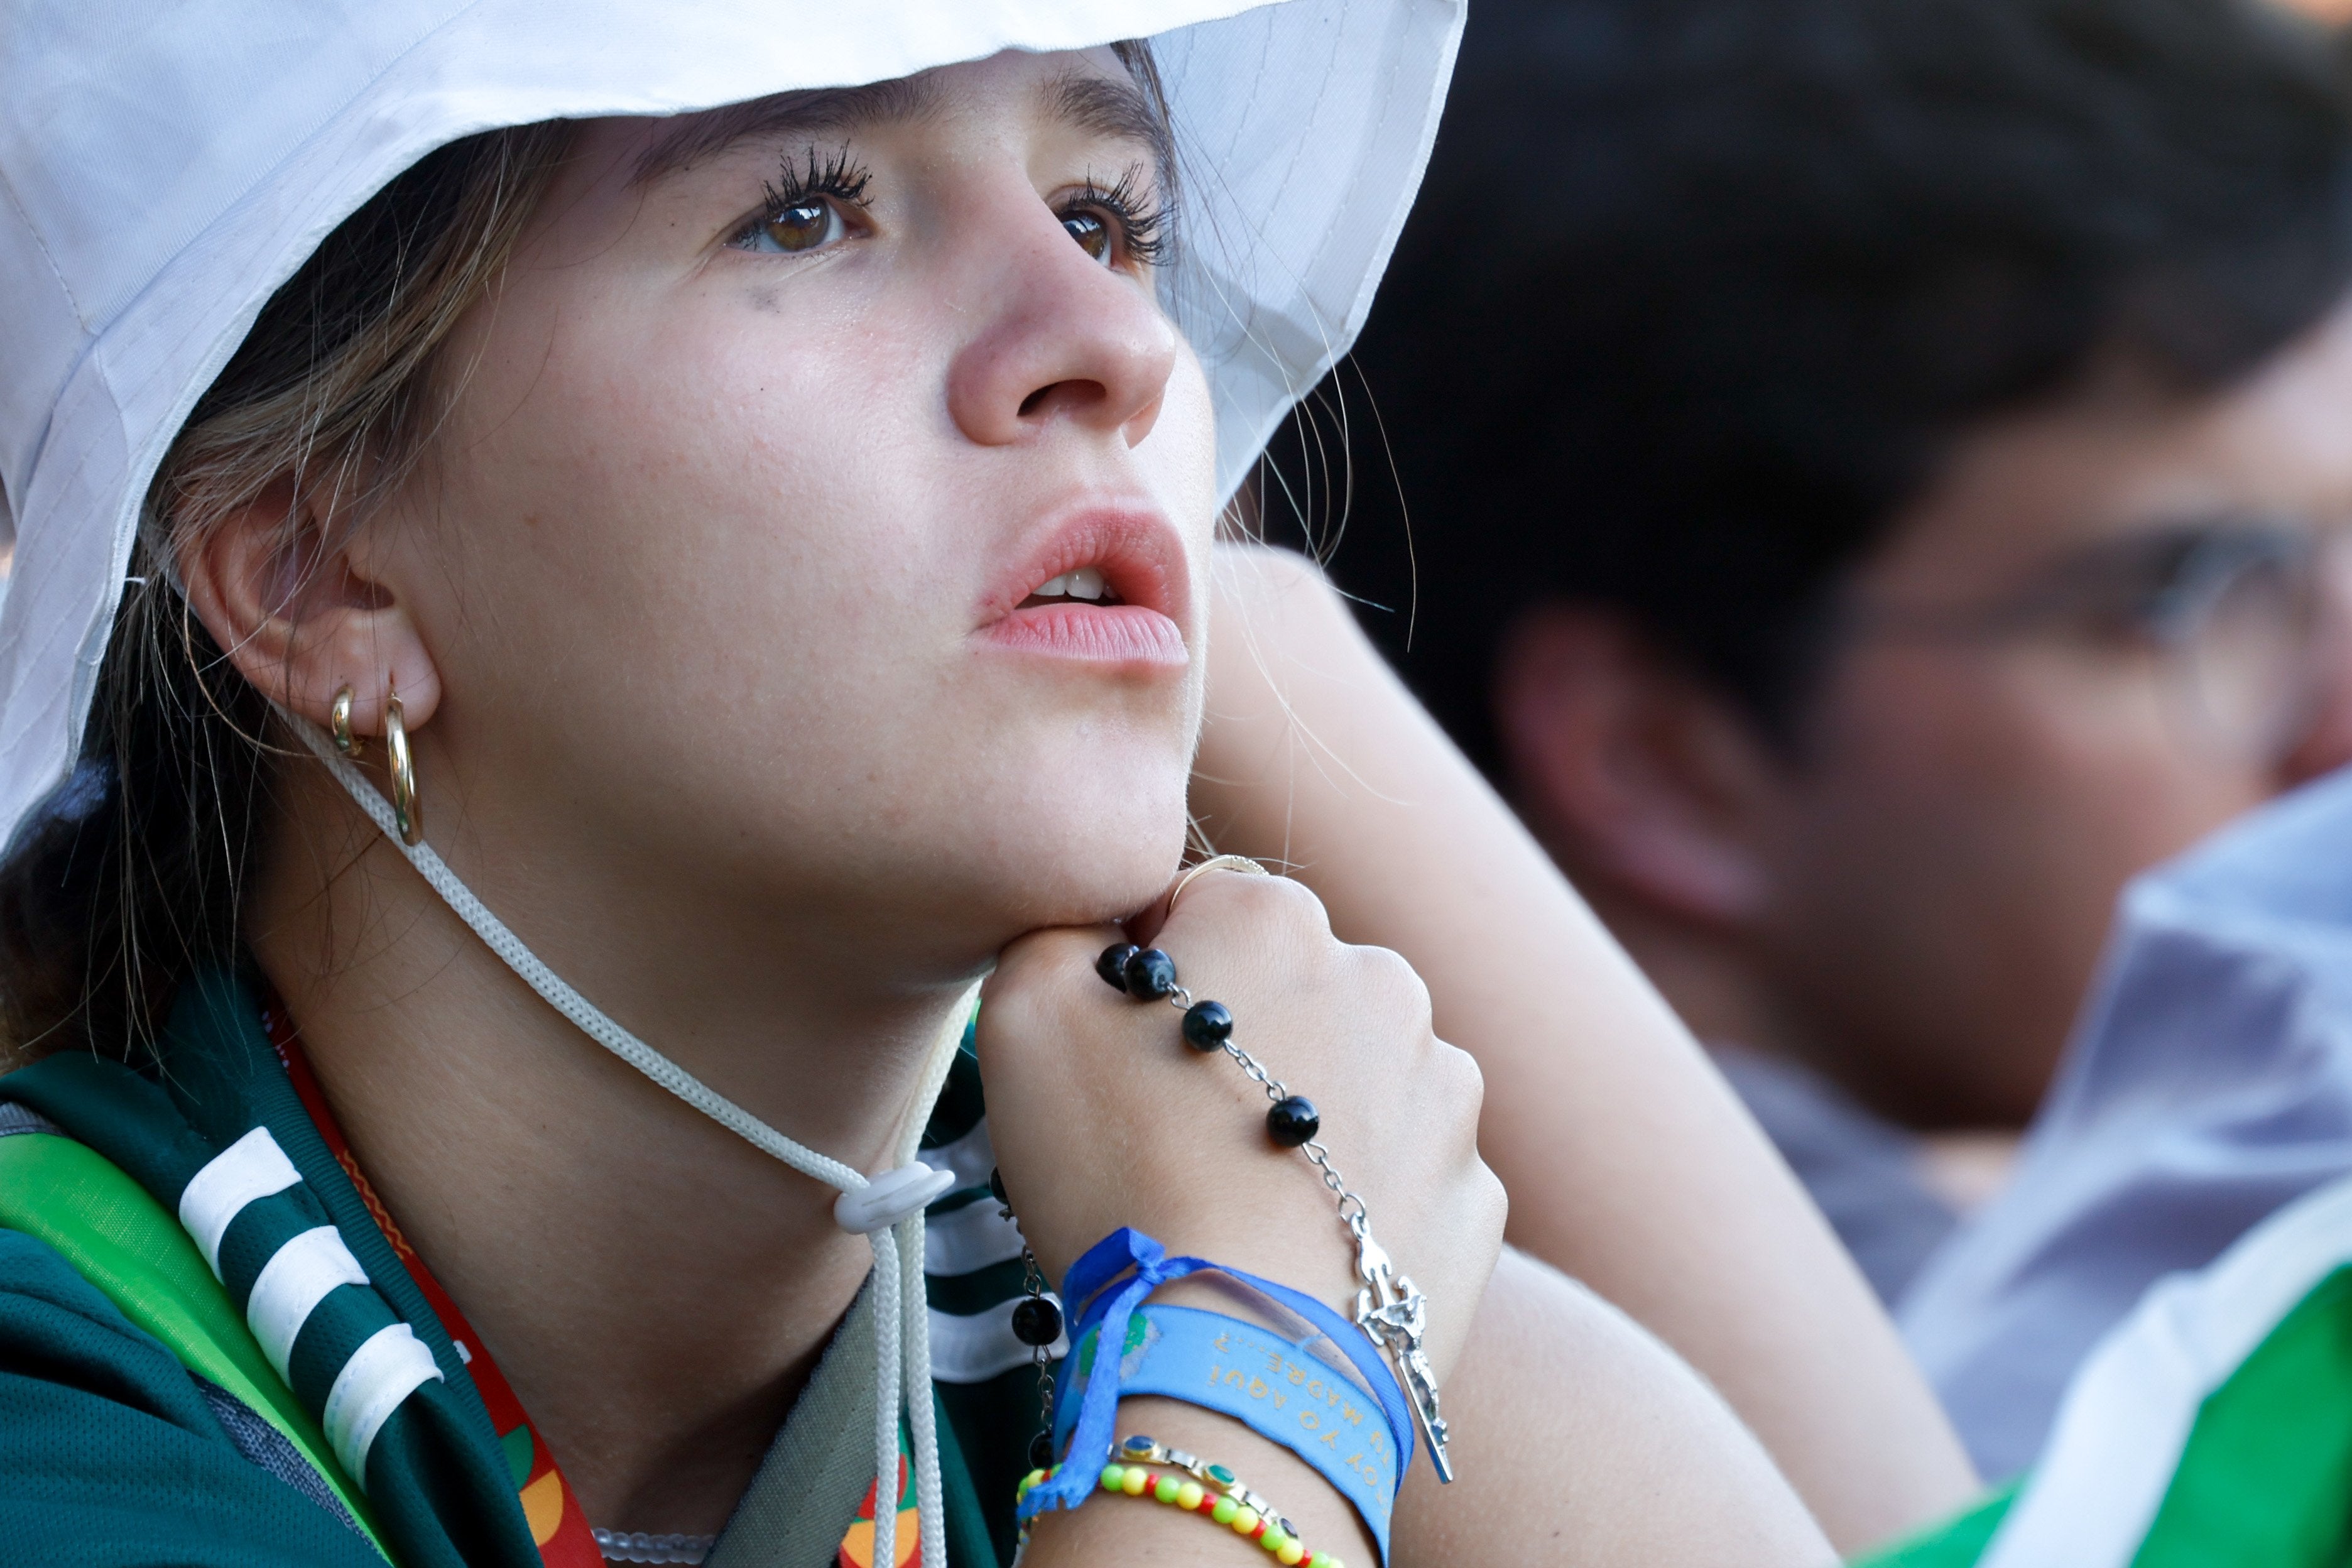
{"x":1357,"y":1219}
{"x":1390,"y":1309}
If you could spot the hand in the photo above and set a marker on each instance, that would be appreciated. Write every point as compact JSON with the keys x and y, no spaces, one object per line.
{"x":1102,"y":1116}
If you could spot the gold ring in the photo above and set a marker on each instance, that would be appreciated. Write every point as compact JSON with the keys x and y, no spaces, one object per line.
{"x":1241,"y":864}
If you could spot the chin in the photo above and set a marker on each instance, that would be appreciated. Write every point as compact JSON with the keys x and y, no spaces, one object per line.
{"x":1051,"y":876}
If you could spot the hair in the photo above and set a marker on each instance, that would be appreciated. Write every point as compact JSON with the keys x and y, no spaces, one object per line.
{"x":1698,"y":292}
{"x":128,"y":877}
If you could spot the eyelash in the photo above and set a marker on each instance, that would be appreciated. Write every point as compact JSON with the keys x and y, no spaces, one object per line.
{"x":835,"y":179}
{"x":1143,"y":222}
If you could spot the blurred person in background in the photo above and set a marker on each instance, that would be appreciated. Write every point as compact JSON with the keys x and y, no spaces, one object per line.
{"x":1876,"y":465}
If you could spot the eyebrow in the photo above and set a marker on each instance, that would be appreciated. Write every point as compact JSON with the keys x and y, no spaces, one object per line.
{"x":783,"y":116}
{"x":1107,"y":106}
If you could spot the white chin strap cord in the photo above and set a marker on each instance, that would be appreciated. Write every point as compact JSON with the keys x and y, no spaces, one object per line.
{"x":887,"y":1209}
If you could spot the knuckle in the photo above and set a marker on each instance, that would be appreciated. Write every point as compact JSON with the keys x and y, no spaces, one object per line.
{"x":1465,"y":1081}
{"x":1385,"y":978}
{"x":1277,"y":899}
{"x":1039,"y":974}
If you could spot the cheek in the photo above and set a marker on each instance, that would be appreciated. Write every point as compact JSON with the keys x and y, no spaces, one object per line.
{"x":758,"y":557}
{"x":718,"y":511}
{"x":2030,"y":782}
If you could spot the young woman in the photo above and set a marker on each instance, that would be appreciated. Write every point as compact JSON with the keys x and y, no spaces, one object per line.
{"x":753,"y":563}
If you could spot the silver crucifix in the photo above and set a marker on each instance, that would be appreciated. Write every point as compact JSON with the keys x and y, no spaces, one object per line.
{"x":1396,"y":1316}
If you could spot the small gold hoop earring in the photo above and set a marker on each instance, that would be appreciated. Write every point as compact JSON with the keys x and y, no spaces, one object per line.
{"x":338,"y":720}
{"x":407,"y":810}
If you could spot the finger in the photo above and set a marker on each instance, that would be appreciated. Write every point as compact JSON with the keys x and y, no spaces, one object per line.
{"x":1146,"y":923}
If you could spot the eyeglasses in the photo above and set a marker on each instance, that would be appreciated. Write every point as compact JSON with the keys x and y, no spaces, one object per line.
{"x":2234,"y":605}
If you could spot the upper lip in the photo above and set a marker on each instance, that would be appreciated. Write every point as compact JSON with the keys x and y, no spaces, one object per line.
{"x":1134,"y":547}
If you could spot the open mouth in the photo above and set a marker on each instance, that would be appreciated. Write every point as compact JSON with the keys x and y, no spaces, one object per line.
{"x":1103,"y":588}
{"x":1087,"y":585}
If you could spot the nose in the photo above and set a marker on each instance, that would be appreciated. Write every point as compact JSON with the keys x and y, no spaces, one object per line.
{"x":1066,"y":341}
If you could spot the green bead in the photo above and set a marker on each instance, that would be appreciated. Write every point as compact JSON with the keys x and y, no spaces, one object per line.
{"x":1320,"y":1559}
{"x":1224,"y":1511}
{"x":1272,"y":1540}
{"x":1164,"y":1488}
{"x":1112,"y":1475}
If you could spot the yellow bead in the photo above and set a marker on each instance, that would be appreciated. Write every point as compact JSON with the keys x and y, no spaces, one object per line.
{"x":1188,"y":1495}
{"x":1289,"y":1553}
{"x":1135,"y":1480}
{"x":1245,"y":1520}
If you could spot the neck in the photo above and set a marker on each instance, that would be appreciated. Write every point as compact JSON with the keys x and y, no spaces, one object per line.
{"x":655,"y":1289}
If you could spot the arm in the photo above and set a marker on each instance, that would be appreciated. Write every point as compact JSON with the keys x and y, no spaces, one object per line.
{"x":1631,"y":1164}
{"x":1559,"y":1398}
{"x":1579,"y":1438}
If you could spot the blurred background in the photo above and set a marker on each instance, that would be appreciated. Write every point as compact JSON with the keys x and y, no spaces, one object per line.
{"x":1865,"y":479}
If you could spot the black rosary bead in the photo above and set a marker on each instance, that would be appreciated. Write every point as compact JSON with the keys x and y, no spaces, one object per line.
{"x":1112,"y":965}
{"x":1150,"y":974}
{"x":1036,"y":1322}
{"x":1207,"y":1025}
{"x":1041,"y":1451}
{"x":1292,"y":1121}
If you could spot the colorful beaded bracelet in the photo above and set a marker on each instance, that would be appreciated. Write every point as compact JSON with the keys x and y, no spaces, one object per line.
{"x":1218,"y":1496}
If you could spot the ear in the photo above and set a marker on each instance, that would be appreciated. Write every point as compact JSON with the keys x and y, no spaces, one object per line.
{"x":302,"y":619}
{"x":1633,"y":770}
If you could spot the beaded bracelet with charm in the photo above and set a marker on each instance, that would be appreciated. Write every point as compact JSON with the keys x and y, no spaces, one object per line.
{"x":1389,"y":1307}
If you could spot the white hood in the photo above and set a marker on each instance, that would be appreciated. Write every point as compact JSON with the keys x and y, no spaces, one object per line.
{"x":164,"y":168}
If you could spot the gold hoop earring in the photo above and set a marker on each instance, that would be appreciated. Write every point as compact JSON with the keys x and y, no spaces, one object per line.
{"x":338,"y":720}
{"x":407,"y":810}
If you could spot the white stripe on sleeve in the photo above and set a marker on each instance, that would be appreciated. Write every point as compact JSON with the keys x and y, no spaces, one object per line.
{"x":252,"y":1167}
{"x":390,"y":1366}
{"x":292,"y":1285}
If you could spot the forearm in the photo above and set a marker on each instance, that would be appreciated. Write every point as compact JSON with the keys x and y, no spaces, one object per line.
{"x":1579,"y":1439}
{"x":1629,"y":1163}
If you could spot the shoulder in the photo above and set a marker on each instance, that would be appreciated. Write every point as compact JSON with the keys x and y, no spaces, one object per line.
{"x":111,"y":1454}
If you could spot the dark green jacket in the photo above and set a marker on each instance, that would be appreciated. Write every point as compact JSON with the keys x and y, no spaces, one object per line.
{"x":127,"y":1442}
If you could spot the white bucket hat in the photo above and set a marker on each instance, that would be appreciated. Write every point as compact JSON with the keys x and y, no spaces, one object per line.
{"x":164,"y":168}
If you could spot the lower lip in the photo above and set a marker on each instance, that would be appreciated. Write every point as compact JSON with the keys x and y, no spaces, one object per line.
{"x":1093,"y":634}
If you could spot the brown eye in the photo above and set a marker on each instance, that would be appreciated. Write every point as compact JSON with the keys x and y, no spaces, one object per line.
{"x":800,"y":226}
{"x":1092,"y":234}
{"x":792,"y":227}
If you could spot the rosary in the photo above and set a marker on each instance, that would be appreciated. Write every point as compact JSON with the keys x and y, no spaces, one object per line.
{"x":1388,"y":1309}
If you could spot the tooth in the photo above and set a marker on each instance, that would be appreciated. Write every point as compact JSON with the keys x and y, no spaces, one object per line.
{"x":1053,"y":589}
{"x":1086,"y":583}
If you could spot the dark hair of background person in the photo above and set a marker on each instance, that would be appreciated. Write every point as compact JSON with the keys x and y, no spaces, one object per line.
{"x":1696,"y":292}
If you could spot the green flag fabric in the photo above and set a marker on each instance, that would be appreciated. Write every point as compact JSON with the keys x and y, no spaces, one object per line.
{"x":2212,"y":1429}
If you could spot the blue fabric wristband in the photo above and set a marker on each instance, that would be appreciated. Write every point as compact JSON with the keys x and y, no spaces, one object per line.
{"x":1108,"y":1284}
{"x":1279,"y":1389}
